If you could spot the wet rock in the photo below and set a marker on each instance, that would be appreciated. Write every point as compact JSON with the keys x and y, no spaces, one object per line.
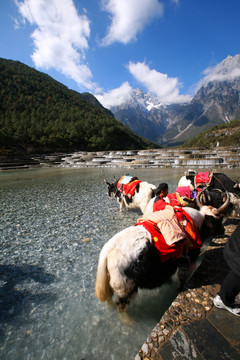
{"x":153,"y":335}
{"x":197,"y":300}
{"x":149,"y":339}
{"x":161,"y":339}
{"x":137,"y":357}
{"x":86,"y":240}
{"x":145,"y":348}
{"x":165,"y":332}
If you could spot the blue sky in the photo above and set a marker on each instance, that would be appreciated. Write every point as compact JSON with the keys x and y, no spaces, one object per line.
{"x":109,"y":47}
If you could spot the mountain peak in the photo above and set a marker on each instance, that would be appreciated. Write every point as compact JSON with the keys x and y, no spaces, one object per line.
{"x":217,"y":101}
{"x":226,"y":70}
{"x":146,"y":100}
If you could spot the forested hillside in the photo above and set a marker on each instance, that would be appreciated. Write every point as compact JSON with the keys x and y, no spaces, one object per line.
{"x":39,"y":114}
{"x":222,"y":135}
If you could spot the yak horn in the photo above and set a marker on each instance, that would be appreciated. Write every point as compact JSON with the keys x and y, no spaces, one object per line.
{"x":224,"y":206}
{"x":199,"y":204}
{"x":237,"y":185}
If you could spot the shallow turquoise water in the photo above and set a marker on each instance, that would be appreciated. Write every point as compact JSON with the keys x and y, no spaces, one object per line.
{"x":47,"y":269}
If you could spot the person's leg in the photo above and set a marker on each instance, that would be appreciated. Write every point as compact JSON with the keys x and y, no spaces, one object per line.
{"x":230,"y":288}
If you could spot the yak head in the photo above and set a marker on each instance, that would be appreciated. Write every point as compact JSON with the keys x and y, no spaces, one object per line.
{"x":112,"y":188}
{"x":213,"y":223}
{"x":217,"y":197}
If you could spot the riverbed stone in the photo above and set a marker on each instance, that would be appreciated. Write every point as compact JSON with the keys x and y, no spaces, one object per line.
{"x":145,"y":348}
{"x":86,"y":240}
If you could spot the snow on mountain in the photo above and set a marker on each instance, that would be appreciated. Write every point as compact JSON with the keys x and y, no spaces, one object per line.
{"x":227,"y":70}
{"x":217,"y":101}
{"x":147,"y":100}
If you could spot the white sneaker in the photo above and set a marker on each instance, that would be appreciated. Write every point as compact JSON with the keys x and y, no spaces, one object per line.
{"x":235,"y":309}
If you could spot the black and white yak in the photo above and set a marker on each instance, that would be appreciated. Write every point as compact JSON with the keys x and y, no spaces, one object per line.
{"x":215,"y":191}
{"x":208,"y":196}
{"x":138,"y":200}
{"x":130,"y":260}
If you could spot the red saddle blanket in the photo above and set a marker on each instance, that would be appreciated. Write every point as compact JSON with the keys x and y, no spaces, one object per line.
{"x":175,"y":199}
{"x":174,"y":251}
{"x":184,"y":191}
{"x":129,"y":188}
{"x":203,"y":179}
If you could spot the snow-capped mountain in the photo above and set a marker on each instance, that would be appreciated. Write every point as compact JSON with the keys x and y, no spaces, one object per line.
{"x":217,"y":101}
{"x":148,"y":101}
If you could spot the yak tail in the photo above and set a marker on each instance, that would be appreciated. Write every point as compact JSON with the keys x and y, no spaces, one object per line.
{"x":103,"y":289}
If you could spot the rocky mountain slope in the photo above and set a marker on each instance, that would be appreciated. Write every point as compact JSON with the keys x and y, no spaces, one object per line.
{"x":217,"y":101}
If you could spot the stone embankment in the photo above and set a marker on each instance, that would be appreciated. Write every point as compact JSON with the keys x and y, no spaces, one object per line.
{"x":156,"y":158}
{"x":192,"y":328}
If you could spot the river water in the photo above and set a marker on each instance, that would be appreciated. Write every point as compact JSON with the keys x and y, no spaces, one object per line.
{"x":53,"y":225}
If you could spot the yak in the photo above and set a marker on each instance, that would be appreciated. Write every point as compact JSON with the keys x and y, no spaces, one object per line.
{"x":143,"y":192}
{"x":216,"y":189}
{"x":217,"y":197}
{"x":208,"y":196}
{"x":130,"y":260}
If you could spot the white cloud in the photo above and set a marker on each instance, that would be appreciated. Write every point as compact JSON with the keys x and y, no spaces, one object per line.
{"x":128,"y":18}
{"x":164,"y":87}
{"x":213,"y":75}
{"x":116,"y":96}
{"x":228,"y":69}
{"x":60,"y":37}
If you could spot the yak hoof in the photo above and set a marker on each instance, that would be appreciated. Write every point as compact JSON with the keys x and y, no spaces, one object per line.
{"x":125,"y":318}
{"x":122,"y":304}
{"x":109,"y":303}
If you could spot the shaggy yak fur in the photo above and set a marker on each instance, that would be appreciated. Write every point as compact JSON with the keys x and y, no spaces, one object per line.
{"x":143,"y":194}
{"x":129,"y":260}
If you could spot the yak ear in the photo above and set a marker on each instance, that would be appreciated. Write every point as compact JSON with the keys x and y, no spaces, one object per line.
{"x":237,"y":185}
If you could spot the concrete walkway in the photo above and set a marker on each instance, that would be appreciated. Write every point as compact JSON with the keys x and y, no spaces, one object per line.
{"x":192,"y":328}
{"x":215,"y":337}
